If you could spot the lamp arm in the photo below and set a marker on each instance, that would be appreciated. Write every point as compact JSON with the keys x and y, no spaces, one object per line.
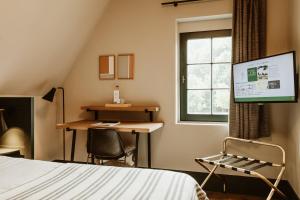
{"x":64,"y":131}
{"x":63,"y":94}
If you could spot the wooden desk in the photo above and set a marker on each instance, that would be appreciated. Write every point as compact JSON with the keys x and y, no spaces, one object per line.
{"x":134,"y":108}
{"x":129,"y":127}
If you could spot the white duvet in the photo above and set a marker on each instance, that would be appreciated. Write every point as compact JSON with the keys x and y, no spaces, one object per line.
{"x":31,"y":179}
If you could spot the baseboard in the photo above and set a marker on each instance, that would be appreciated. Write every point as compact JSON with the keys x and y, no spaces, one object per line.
{"x":237,"y":184}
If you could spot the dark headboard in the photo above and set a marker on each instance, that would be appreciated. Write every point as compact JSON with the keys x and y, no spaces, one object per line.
{"x":19,"y":112}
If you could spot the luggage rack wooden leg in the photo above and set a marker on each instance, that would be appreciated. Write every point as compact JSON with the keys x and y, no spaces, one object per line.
{"x":276,"y":184}
{"x":211,"y":172}
{"x":273,"y":186}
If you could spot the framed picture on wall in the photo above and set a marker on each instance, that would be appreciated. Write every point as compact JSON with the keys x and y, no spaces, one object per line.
{"x":125,"y":67}
{"x":107,"y":67}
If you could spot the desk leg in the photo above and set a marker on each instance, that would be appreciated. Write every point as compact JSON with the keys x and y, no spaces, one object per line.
{"x":149,"y":150}
{"x":64,"y":144}
{"x":96,"y":118}
{"x":151,"y":116}
{"x":73,"y":145}
{"x":137,"y":136}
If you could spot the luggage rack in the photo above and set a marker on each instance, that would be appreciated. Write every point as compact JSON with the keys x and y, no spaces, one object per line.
{"x":243,"y":164}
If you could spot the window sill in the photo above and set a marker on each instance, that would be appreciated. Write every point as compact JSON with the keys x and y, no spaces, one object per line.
{"x":199,"y":123}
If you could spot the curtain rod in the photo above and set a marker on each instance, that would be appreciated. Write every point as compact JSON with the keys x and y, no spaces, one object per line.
{"x":175,"y":3}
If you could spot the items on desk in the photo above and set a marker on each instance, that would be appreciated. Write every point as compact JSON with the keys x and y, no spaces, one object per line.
{"x":117,"y":99}
{"x":107,"y":123}
{"x":116,"y":94}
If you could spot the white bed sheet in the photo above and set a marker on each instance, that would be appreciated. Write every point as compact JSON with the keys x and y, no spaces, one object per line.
{"x":31,"y":179}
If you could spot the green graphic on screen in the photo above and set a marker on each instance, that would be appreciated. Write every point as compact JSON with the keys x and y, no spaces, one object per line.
{"x":252,"y":74}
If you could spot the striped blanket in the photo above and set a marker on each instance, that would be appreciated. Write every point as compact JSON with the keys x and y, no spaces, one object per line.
{"x":30,"y":179}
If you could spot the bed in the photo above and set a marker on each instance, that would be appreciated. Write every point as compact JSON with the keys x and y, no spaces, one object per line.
{"x":33,"y":179}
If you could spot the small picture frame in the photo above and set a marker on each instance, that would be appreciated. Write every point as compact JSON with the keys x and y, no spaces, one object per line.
{"x":125,"y":67}
{"x":107,"y":69}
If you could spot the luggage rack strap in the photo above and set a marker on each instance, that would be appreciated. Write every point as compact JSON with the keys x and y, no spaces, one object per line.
{"x":256,"y":160}
{"x":223,"y":165}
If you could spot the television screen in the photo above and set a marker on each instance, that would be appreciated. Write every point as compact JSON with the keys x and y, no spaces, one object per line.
{"x":270,"y":79}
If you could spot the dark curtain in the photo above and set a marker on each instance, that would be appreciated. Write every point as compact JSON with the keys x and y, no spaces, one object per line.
{"x":248,"y":121}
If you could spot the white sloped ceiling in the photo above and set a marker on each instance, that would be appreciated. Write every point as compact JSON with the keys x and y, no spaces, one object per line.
{"x":40,"y":40}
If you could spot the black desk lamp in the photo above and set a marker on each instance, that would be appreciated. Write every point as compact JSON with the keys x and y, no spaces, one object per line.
{"x":3,"y":126}
{"x":49,"y":97}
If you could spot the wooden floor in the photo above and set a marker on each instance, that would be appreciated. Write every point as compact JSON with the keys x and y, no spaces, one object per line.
{"x":225,"y":196}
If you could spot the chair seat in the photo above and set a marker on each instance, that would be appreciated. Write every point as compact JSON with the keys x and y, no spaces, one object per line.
{"x":128,"y":150}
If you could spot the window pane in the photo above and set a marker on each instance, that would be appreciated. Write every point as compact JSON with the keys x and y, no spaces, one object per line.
{"x":221,"y":75}
{"x":199,"y":51}
{"x":199,"y":102}
{"x":221,"y":48}
{"x":220,"y":102}
{"x":199,"y":77}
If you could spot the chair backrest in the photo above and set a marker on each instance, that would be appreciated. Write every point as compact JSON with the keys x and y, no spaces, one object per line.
{"x":105,"y":143}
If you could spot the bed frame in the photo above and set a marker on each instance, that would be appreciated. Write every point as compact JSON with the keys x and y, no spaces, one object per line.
{"x":243,"y":164}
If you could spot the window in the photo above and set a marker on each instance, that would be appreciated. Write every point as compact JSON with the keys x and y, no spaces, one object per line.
{"x":205,"y":69}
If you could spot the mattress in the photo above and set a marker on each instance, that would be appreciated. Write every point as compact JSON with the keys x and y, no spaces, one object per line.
{"x":32,"y":180}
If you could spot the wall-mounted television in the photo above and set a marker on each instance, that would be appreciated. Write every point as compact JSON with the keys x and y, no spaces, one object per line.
{"x":266,"y":80}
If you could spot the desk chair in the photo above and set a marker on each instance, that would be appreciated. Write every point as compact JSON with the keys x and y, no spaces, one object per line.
{"x":106,"y":144}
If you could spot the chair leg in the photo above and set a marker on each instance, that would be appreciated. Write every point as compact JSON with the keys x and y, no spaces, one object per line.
{"x":87,"y":159}
{"x":92,"y":159}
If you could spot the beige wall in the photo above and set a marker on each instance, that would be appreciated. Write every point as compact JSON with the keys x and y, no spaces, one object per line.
{"x":40,"y":41}
{"x":294,"y":120}
{"x":147,"y":29}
